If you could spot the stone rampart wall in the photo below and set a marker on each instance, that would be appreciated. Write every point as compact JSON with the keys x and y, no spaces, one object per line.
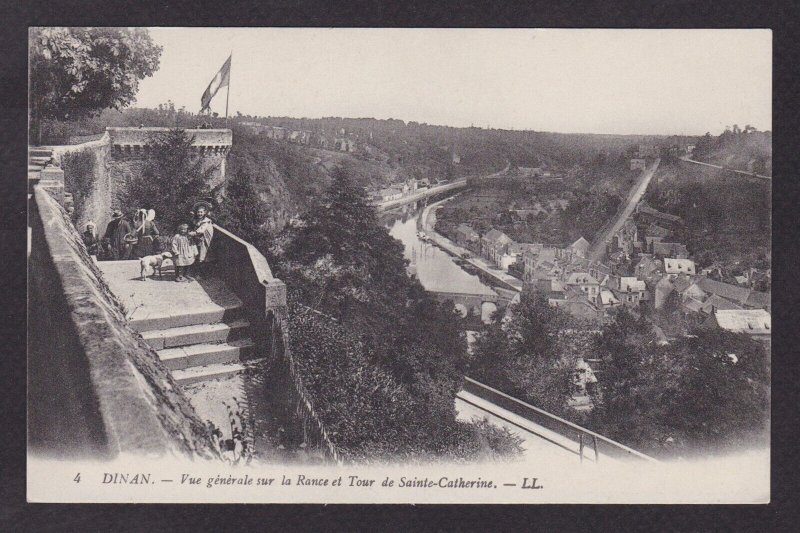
{"x":119,"y":155}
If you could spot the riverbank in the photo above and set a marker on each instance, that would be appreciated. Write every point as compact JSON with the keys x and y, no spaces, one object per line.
{"x":428,"y":225}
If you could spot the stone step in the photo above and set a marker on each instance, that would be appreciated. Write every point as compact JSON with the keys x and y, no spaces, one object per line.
{"x":163,"y":319}
{"x":38,"y":160}
{"x":195,"y":355}
{"x":206,"y":373}
{"x":159,"y":339}
{"x":40,"y":152}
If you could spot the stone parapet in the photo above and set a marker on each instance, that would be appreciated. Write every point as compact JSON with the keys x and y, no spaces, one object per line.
{"x":95,"y":388}
{"x":136,"y":140}
{"x":246,"y":271}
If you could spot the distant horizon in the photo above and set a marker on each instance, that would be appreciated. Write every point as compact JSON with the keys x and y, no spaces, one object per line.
{"x":233,"y":116}
{"x":570,"y":81}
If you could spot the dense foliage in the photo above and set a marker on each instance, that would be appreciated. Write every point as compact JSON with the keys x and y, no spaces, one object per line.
{"x":387,"y":371}
{"x":726,"y":219}
{"x":172,"y":179}
{"x":526,"y":355}
{"x":79,"y":71}
{"x":745,"y":149}
{"x":707,"y":390}
{"x":558,"y":218}
{"x":79,"y":175}
{"x":710,"y":389}
{"x":372,"y":415}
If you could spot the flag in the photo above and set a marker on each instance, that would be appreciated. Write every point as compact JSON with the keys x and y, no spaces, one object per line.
{"x":222,"y":79}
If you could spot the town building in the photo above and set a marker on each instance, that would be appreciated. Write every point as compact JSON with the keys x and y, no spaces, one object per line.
{"x":494,"y":245}
{"x":630,"y":291}
{"x":674,"y":267}
{"x":670,"y":249}
{"x":655,"y":234}
{"x":344,"y":144}
{"x":648,"y":267}
{"x":586,"y":283}
{"x":625,"y":239}
{"x":385,"y":195}
{"x":468,"y":238}
{"x":638,"y":164}
{"x":575,"y":303}
{"x":580,"y":247}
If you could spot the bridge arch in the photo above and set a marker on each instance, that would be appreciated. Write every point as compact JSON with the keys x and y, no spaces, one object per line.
{"x":487,"y":310}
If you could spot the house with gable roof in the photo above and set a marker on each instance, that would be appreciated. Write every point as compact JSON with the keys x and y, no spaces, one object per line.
{"x":629,"y":290}
{"x":494,"y":245}
{"x":580,"y":247}
{"x":585,"y":283}
{"x":670,"y":249}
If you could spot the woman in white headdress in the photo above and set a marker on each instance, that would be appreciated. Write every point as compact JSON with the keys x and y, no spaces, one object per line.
{"x":145,"y":232}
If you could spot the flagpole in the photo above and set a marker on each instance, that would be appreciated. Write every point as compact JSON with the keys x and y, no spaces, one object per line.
{"x":228,"y":95}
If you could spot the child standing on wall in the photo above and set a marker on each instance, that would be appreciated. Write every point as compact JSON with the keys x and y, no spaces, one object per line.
{"x":183,"y":252}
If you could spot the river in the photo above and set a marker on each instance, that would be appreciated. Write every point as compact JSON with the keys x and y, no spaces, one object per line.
{"x":433,"y":267}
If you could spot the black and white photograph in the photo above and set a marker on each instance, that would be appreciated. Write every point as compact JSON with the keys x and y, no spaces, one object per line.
{"x":374,"y":265}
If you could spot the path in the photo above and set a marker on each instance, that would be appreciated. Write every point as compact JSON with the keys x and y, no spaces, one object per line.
{"x":428,"y":223}
{"x":452,"y":186}
{"x":598,"y":249}
{"x":742,"y":172}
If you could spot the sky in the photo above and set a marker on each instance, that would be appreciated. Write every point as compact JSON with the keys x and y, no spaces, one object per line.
{"x":582,"y":81}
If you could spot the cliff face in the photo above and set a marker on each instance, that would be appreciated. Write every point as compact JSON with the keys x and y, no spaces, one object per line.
{"x":96,"y":389}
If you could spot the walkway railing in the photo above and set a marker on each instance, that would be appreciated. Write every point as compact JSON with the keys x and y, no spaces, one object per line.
{"x":313,"y":429}
{"x":582,"y":436}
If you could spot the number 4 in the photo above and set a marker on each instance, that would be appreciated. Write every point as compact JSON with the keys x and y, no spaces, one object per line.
{"x":77,"y":478}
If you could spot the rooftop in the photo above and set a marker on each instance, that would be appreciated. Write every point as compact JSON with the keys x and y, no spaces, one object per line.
{"x":751,"y":321}
{"x":678,"y":266}
{"x":580,"y":245}
{"x":726,"y":290}
{"x":715,"y":302}
{"x":497,"y":236}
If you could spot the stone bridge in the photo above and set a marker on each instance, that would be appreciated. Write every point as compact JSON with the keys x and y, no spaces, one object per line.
{"x":474,"y":305}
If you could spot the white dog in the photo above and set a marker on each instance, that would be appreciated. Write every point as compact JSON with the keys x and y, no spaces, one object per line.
{"x":153,"y":262}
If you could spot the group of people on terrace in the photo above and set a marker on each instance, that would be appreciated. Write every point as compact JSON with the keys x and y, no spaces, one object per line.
{"x":188,"y":249}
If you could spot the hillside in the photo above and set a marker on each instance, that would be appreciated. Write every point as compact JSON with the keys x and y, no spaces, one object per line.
{"x":747,"y":150}
{"x":727,"y":219}
{"x":289,"y":175}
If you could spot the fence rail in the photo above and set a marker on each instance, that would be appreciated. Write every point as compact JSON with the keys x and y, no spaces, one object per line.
{"x":313,"y":428}
{"x":565,"y":428}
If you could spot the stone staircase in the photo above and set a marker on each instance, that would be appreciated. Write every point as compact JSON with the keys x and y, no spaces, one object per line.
{"x":38,"y":158}
{"x":200,"y":350}
{"x":198,"y":329}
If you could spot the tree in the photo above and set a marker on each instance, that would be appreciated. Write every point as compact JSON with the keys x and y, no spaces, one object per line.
{"x":391,"y":358}
{"x":722,"y":397}
{"x":710,"y":389}
{"x":76,"y":72}
{"x":172,"y":179}
{"x":524,"y":354}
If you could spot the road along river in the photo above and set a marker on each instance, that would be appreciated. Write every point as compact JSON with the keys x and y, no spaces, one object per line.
{"x":434,"y":267}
